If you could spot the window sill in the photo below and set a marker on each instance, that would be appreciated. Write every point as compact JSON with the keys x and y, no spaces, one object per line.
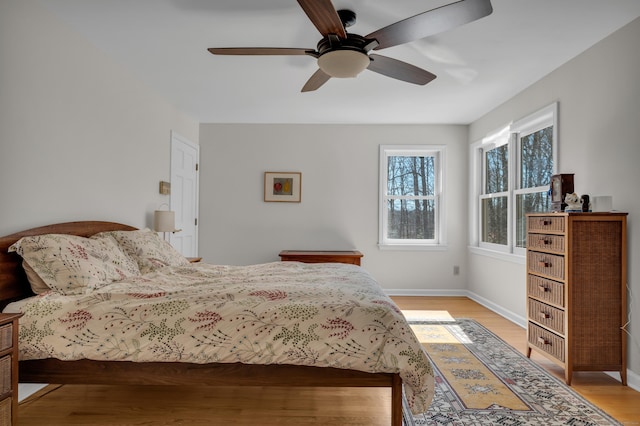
{"x":508,"y":257}
{"x":412,"y":247}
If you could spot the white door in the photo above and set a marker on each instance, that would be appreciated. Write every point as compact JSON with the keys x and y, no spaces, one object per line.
{"x":184,"y":194}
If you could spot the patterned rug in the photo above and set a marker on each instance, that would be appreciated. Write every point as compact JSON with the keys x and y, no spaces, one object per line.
{"x":481,"y":380}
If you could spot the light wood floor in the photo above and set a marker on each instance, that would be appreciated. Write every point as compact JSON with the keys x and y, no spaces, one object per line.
{"x":167,"y":405}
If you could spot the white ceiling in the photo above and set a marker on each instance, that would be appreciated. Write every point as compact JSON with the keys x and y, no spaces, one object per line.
{"x":479,"y":65}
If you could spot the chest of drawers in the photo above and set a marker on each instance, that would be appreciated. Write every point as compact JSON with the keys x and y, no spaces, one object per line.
{"x":8,"y":368}
{"x":576,"y":290}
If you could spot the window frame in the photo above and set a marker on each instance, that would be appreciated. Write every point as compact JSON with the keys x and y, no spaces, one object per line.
{"x":493,"y":141}
{"x":438,"y":152}
{"x":511,"y":134}
{"x":541,"y":119}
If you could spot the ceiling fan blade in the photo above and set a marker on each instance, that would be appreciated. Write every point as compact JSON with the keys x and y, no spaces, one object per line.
{"x":258,"y":51}
{"x":317,"y":79}
{"x":399,"y":70}
{"x":324,"y":16}
{"x":431,"y":22}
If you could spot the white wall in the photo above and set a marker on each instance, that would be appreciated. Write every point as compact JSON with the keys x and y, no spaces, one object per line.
{"x":599,"y":140}
{"x":80,"y":138}
{"x":339,"y":208}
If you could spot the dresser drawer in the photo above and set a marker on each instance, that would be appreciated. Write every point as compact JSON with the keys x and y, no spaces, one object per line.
{"x":550,"y":265}
{"x":546,"y":315}
{"x":6,"y":336}
{"x":5,"y":412}
{"x":5,"y":374}
{"x":553,"y":243}
{"x":546,"y":341}
{"x":546,"y":290}
{"x":553,"y":224}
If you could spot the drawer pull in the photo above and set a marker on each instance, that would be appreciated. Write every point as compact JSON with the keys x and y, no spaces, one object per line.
{"x":543,"y":341}
{"x":545,"y":222}
{"x":544,"y":315}
{"x":544,"y":264}
{"x":543,"y":288}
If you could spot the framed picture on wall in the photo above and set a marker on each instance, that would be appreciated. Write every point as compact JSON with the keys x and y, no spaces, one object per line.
{"x":282,"y":186}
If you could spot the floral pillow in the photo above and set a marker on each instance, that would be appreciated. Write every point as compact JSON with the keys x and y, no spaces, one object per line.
{"x":147,"y":248}
{"x":70,"y":264}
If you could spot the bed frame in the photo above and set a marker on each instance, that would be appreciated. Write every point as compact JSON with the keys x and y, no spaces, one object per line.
{"x":14,"y":286}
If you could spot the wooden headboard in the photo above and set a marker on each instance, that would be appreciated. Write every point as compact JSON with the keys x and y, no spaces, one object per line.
{"x":13,"y":280}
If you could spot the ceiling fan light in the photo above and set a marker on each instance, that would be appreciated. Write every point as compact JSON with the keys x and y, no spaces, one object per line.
{"x":343,"y":63}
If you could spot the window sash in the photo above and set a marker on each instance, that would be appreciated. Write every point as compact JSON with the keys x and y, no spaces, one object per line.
{"x":426,"y":228}
{"x":485,"y":240}
{"x":546,"y":169}
{"x":519,"y":212}
{"x":501,"y":183}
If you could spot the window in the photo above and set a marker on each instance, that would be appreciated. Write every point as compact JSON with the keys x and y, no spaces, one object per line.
{"x":512,"y":175}
{"x":535,"y":155}
{"x":410,"y":196}
{"x":494,"y":199}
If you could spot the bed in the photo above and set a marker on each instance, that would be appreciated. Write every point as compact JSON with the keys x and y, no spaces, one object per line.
{"x":172,"y":322}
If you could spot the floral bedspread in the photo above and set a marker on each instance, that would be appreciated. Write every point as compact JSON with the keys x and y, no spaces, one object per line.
{"x":327,"y":315}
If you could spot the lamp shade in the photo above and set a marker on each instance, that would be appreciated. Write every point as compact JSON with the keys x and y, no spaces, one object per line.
{"x":164,"y":221}
{"x":343,"y":63}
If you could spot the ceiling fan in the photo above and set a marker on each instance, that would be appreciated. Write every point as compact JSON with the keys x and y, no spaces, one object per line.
{"x":341,"y":54}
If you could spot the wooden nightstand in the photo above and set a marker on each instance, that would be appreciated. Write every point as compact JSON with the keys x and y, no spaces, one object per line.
{"x":9,"y":368}
{"x":314,"y":256}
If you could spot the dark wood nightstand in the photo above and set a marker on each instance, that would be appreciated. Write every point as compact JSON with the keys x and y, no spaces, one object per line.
{"x":319,"y":256}
{"x":9,"y":368}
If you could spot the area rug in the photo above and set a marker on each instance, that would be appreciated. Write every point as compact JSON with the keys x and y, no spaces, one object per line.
{"x":481,"y":380}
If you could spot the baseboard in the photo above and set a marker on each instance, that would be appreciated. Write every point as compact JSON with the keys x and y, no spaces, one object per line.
{"x":511,"y":316}
{"x":425,"y":292}
{"x":633,"y":380}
